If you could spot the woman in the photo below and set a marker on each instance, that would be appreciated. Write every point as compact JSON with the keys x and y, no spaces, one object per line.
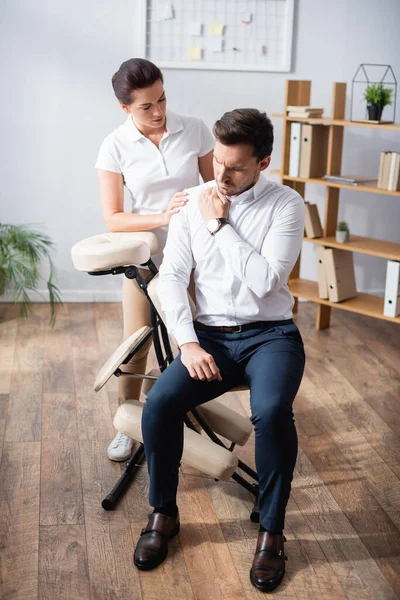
{"x":155,"y":154}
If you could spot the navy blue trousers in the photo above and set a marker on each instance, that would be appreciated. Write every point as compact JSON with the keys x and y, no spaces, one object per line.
{"x":270,"y":360}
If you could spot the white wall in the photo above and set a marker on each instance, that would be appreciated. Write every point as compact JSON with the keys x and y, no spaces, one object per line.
{"x":57,"y":105}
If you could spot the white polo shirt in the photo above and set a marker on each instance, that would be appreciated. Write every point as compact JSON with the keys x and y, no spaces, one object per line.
{"x":153,"y":175}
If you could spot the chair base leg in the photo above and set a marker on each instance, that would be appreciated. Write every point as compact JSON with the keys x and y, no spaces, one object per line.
{"x":111,"y":500}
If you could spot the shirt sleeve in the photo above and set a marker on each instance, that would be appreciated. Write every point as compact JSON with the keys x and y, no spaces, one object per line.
{"x":207,"y":140}
{"x":270,"y":270}
{"x":174,"y":279}
{"x":108,"y":158}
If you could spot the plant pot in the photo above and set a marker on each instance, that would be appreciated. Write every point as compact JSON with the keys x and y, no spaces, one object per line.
{"x":342,"y":236}
{"x":374,"y":112}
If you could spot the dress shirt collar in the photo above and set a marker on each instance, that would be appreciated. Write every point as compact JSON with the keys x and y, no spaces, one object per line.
{"x":173,"y":125}
{"x":253,"y":192}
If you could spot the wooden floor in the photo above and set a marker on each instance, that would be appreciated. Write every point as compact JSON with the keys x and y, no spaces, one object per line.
{"x":343,"y":518}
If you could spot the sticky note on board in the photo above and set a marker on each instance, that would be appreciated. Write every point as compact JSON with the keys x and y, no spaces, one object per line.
{"x":195,"y":29}
{"x":217,"y":45}
{"x":263,"y":50}
{"x":167,"y":12}
{"x":246,"y":18}
{"x":195,"y":52}
{"x":217,"y":29}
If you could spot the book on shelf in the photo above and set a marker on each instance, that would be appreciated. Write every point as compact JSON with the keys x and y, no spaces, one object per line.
{"x":303,"y":109}
{"x":339,"y":272}
{"x":305,"y":115}
{"x":312,"y":224}
{"x":322,"y":281}
{"x":389,"y":171}
{"x":391,"y":305}
{"x":394,"y":172}
{"x":313,"y":150}
{"x":294,"y":153}
{"x":349,"y":179}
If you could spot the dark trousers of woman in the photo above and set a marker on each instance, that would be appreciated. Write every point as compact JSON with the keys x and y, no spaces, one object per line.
{"x":270,"y":360}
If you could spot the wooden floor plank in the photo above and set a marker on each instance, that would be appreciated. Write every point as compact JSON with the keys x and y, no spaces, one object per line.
{"x":108,"y":535}
{"x":19,"y":520}
{"x":211,"y":569}
{"x":57,"y":362}
{"x":24,"y":410}
{"x":3,"y":416}
{"x":8,"y":336}
{"x":94,"y":417}
{"x":63,"y":568}
{"x":61,"y":498}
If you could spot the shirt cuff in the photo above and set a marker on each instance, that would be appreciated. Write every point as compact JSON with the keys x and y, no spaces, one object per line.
{"x":184,"y":334}
{"x":227,"y":236}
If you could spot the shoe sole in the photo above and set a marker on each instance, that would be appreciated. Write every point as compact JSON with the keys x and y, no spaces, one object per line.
{"x":120,"y":459}
{"x":142,"y":567}
{"x":269,"y":587}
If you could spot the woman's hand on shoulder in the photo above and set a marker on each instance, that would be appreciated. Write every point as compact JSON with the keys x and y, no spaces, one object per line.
{"x":177,"y":202}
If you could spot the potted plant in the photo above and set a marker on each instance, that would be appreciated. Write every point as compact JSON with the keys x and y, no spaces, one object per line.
{"x":342,"y":232}
{"x":377,"y":97}
{"x":21,"y":252}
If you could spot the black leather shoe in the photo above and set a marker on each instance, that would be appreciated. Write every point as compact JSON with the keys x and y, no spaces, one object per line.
{"x":268,"y":568}
{"x":152,"y":547}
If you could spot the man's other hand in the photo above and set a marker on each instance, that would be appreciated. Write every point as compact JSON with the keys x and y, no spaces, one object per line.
{"x":213,"y":205}
{"x":199,"y":363}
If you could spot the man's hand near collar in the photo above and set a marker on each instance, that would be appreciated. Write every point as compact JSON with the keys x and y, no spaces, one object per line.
{"x":213,"y":205}
{"x":199,"y":363}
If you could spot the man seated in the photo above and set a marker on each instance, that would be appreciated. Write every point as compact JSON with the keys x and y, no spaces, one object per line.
{"x":242,"y":235}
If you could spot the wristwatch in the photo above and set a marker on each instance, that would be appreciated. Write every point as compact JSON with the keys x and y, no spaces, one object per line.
{"x":213,"y":225}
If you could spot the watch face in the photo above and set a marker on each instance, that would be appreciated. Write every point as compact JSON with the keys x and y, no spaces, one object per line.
{"x":213,"y":225}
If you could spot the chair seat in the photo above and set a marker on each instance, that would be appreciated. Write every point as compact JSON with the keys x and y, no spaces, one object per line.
{"x":116,"y":249}
{"x":199,"y":452}
{"x":118,"y":357}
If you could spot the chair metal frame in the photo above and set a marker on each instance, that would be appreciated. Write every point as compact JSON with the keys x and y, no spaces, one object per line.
{"x":158,"y":332}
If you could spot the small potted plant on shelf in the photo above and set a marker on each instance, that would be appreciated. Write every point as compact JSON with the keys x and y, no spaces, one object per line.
{"x":342,"y":232}
{"x":21,"y":253}
{"x":377,"y":97}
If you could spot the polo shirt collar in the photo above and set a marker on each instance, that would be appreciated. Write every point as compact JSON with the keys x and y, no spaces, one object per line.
{"x":174,"y":122}
{"x":173,"y":125}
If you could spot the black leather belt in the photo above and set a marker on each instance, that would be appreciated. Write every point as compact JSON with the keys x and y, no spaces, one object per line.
{"x":239,"y":328}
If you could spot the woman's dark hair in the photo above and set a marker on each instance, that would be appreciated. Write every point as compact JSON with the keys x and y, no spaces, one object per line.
{"x":134,"y":74}
{"x":246,"y":126}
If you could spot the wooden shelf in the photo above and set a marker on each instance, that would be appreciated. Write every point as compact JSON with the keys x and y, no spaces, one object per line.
{"x":371,"y":187}
{"x":362,"y":245}
{"x":341,"y":122}
{"x":364,"y":304}
{"x":298,"y":93}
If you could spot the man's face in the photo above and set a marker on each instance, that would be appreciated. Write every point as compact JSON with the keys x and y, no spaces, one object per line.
{"x":236,"y":169}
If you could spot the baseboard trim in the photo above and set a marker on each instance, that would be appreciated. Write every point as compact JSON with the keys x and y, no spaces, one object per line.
{"x":73,"y":296}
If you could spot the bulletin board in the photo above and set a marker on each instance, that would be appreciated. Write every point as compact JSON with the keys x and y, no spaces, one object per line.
{"x":235,"y":35}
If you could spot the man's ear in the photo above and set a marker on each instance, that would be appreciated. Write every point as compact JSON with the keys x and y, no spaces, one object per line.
{"x":264,"y":163}
{"x":125,"y":108}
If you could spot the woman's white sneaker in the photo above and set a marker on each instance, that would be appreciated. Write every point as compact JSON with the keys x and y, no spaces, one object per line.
{"x":120,"y":448}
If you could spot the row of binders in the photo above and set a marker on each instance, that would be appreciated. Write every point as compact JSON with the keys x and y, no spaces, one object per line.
{"x":389,"y":171}
{"x":336,"y":279}
{"x":308,"y":150}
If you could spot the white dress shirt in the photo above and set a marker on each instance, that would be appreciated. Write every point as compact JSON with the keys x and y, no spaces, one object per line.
{"x":241,"y":272}
{"x":152,"y":175}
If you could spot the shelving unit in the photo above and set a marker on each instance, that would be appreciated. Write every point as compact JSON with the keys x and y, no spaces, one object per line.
{"x":299,"y":93}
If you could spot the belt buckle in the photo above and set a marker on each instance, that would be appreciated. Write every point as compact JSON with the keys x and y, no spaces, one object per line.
{"x":239,"y":329}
